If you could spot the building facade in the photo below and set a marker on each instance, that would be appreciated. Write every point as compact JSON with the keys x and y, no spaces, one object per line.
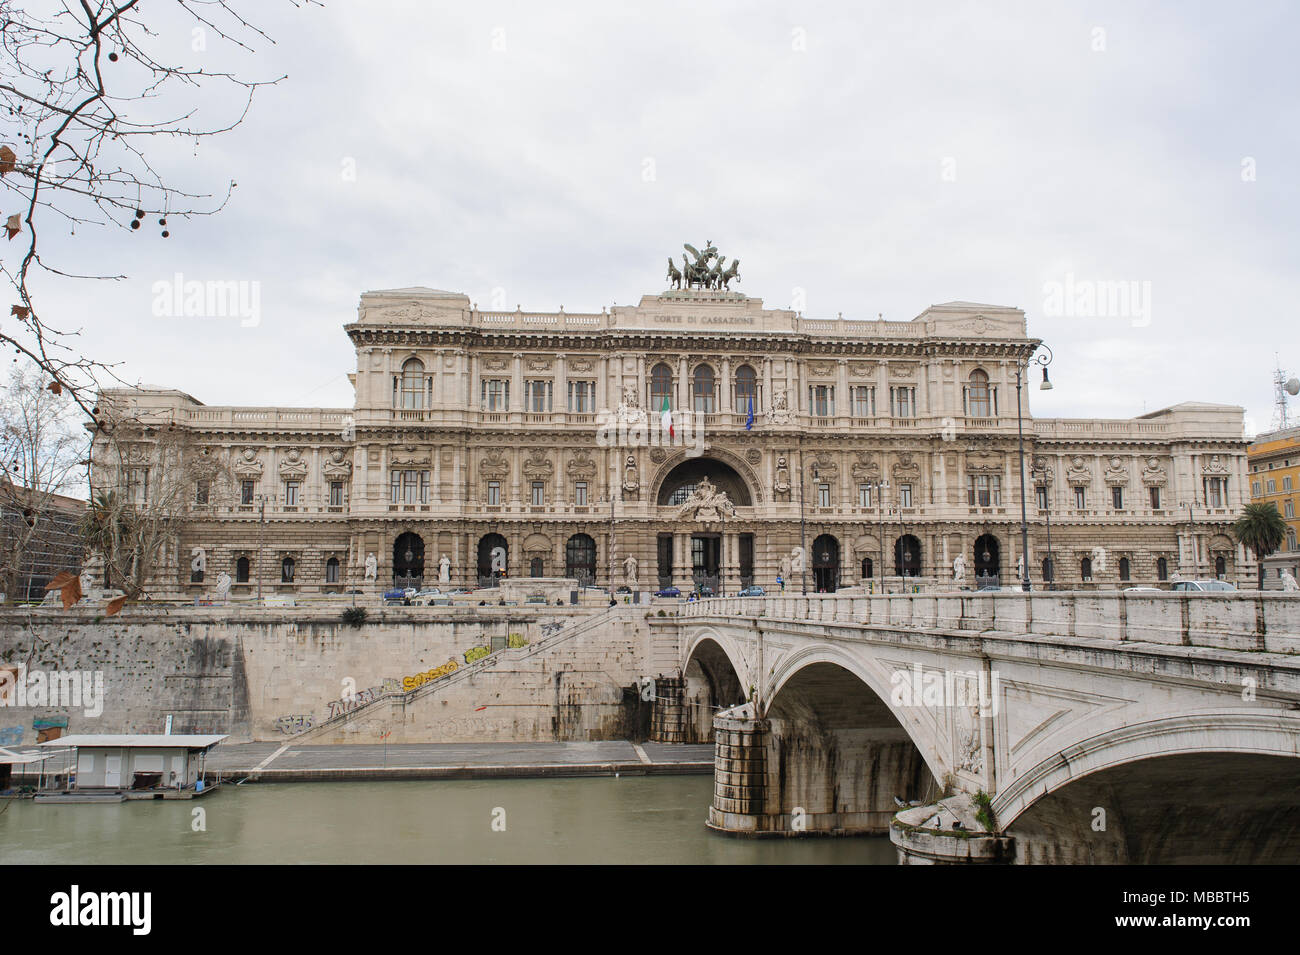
{"x":696,"y":439}
{"x":1274,"y":460}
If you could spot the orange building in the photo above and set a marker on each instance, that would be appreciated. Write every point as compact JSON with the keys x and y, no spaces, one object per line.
{"x":1273,"y":461}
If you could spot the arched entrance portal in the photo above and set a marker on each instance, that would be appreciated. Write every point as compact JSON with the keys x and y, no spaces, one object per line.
{"x":826,"y":564}
{"x":493,"y":559}
{"x":408,"y":560}
{"x":580,"y":559}
{"x":907,"y":556}
{"x":988,"y":560}
{"x":693,"y":492}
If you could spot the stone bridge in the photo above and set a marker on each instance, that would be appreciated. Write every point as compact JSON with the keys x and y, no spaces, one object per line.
{"x":1043,"y":727}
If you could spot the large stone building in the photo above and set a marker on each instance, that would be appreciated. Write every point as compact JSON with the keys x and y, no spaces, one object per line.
{"x":530,"y":444}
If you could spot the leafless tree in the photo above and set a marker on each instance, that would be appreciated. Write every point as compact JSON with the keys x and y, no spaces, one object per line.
{"x":91,"y":94}
{"x":146,"y":480}
{"x":42,"y":446}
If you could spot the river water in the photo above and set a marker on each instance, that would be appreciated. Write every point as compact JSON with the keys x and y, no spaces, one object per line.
{"x":639,"y":819}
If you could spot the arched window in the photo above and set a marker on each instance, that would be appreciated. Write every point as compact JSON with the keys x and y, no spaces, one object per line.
{"x":580,"y":558}
{"x":977,"y":394}
{"x":702,"y":390}
{"x":413,"y":384}
{"x":332,"y":570}
{"x":1085,"y":568}
{"x":1162,"y":568}
{"x":661,"y":387}
{"x":1220,"y":567}
{"x":746,"y":389}
{"x":907,"y":556}
{"x":1124,"y":569}
{"x":867,"y":567}
{"x":1047,"y":569}
{"x":286,"y":570}
{"x":241,"y":570}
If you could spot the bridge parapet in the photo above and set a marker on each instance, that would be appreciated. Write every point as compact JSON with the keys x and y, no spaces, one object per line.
{"x":1247,"y":620}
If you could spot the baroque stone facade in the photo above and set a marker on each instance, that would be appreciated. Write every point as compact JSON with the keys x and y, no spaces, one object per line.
{"x":826,"y":453}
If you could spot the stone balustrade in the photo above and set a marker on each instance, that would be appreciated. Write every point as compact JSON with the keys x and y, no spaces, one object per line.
{"x":1248,"y":620}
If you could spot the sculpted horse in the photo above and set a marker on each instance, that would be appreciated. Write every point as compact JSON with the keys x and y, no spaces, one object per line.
{"x":732,"y":273}
{"x":674,"y":276}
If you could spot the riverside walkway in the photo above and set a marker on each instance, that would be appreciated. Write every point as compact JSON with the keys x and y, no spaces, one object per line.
{"x":269,"y":762}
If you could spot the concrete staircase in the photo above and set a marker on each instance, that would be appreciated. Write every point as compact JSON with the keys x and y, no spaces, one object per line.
{"x":578,"y":683}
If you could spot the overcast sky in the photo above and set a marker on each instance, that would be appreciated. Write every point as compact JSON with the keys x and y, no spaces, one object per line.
{"x":880,"y":157}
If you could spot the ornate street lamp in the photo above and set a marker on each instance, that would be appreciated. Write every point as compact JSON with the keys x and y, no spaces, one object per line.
{"x":1043,"y":360}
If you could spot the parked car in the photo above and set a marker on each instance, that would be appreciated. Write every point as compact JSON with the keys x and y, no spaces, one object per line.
{"x":1200,"y":586}
{"x":753,"y":591}
{"x":426,"y":597}
{"x":399,"y":594}
{"x":705,"y":590}
{"x":668,"y":592}
{"x":1142,"y":590}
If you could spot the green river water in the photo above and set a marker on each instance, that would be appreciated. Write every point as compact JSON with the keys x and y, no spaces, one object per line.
{"x":629,"y":820}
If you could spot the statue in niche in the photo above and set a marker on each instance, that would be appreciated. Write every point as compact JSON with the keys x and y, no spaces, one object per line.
{"x":444,"y":570}
{"x":372,"y":567}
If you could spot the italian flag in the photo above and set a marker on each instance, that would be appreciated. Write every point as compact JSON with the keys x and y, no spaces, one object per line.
{"x":666,"y":419}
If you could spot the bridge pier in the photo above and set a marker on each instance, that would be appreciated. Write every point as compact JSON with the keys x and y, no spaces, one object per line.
{"x":668,"y":714}
{"x":781,"y":777}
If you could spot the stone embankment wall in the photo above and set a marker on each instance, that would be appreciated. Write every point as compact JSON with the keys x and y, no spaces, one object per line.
{"x":271,"y":674}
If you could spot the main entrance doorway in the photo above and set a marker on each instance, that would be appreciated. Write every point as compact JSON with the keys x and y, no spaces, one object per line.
{"x":408,"y":560}
{"x":706,"y":554}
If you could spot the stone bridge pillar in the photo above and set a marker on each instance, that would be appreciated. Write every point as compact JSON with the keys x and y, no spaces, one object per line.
{"x":782,"y":777}
{"x":668,"y":717}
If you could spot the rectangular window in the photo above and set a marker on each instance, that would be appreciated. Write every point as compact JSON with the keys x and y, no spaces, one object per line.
{"x":1216,"y":490}
{"x":821,"y":400}
{"x":1286,"y":483}
{"x":1288,"y":509}
{"x":582,"y":396}
{"x":494,"y":493}
{"x":1080,"y":497}
{"x":291,"y":493}
{"x":902,"y":401}
{"x":409,"y":487}
{"x":137,"y":484}
{"x":332,"y":571}
{"x":580,"y":493}
{"x":336,"y":493}
{"x":864,"y":401}
{"x":983,"y":490}
{"x":1040,"y":496}
{"x":1155,"y":498}
{"x":823,"y":495}
{"x":246,"y":492}
{"x":1117,"y":498}
{"x":539,"y":494}
{"x":1254,"y":489}
{"x":537,"y":396}
{"x":496,"y":394}
{"x":864,"y":495}
{"x":201,"y":492}
{"x":1270,"y":485}
{"x":904,"y":495}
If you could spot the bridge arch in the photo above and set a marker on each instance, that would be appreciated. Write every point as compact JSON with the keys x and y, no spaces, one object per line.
{"x":843,"y":756}
{"x":1182,"y":789}
{"x":714,"y":677}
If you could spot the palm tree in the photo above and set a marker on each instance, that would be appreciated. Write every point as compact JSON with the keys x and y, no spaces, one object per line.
{"x":1262,"y":529}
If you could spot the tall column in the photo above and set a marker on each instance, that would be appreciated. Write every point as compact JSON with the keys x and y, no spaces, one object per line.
{"x":767,"y":383}
{"x":517,"y":383}
{"x":559,"y":388}
{"x":724,"y":386}
{"x":843,"y":406}
{"x":683,"y":402}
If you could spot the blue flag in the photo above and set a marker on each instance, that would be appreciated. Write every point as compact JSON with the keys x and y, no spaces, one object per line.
{"x":749,"y":422}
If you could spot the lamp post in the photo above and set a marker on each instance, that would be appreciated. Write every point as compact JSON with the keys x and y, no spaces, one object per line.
{"x":1191,"y":534}
{"x":1051,"y":563}
{"x":878,"y":488}
{"x":803,"y":527}
{"x":1021,"y":364}
{"x":261,"y":538}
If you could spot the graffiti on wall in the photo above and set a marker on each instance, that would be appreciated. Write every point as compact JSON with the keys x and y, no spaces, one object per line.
{"x":476,"y":653}
{"x":348,"y":704}
{"x":294,"y":724}
{"x":410,"y":683}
